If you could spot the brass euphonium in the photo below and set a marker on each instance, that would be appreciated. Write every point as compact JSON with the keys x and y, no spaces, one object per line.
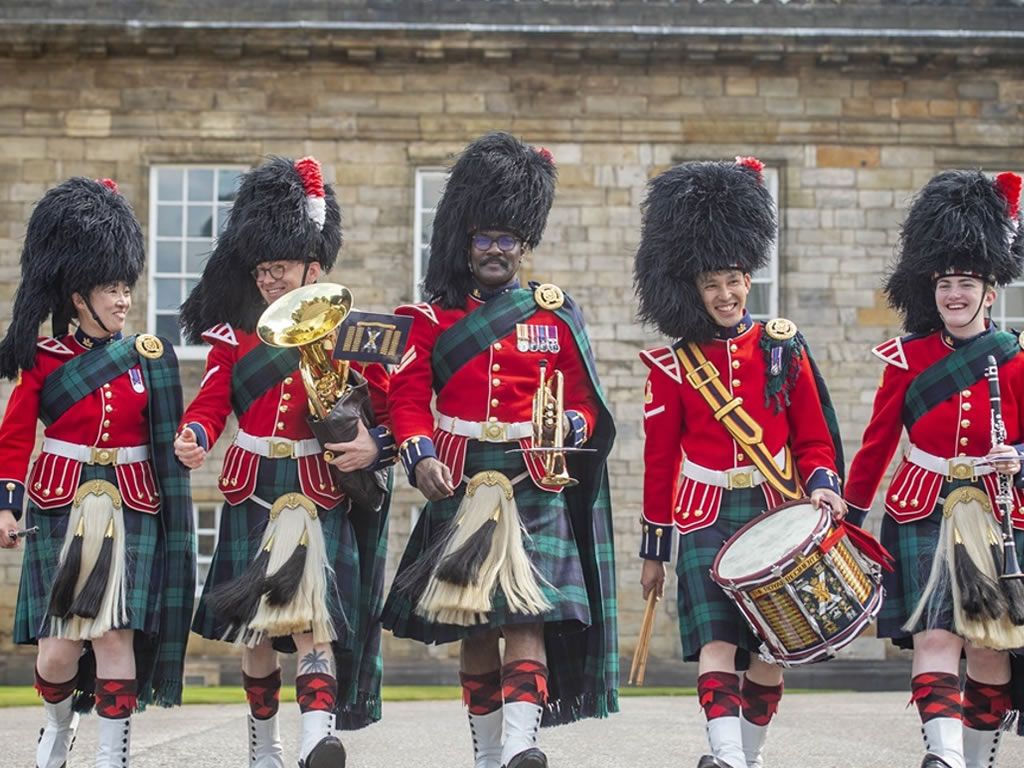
{"x":308,"y":319}
{"x":548,"y":437}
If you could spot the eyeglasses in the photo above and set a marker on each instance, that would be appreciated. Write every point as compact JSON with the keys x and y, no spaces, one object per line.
{"x":505,"y":242}
{"x":275,"y":271}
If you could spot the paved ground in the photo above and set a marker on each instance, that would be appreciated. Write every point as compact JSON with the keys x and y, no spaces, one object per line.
{"x":833,"y":730}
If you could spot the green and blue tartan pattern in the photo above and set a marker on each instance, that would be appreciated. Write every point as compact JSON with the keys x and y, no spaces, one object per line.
{"x":160,"y":658}
{"x":42,"y":559}
{"x":584,"y":667}
{"x":913,"y":546}
{"x":706,"y":612}
{"x":549,"y":544}
{"x":261,"y":368}
{"x":960,"y":369}
{"x":356,"y":553}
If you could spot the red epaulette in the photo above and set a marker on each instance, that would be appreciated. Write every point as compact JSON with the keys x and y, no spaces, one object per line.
{"x":422,"y":308}
{"x":665,"y":360}
{"x":891,"y":352}
{"x":223,"y":333}
{"x":53,"y":346}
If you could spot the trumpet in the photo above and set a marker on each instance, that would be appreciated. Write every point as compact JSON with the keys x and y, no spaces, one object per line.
{"x":548,"y":438}
{"x":308,"y":319}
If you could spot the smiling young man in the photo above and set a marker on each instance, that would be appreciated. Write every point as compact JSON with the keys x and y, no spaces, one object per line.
{"x":537,"y":572}
{"x":960,"y":240}
{"x":706,"y":227}
{"x":284,"y":232}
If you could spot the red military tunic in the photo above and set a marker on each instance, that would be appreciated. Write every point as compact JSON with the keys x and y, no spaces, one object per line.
{"x":280,"y":412}
{"x":679,"y":426}
{"x":494,"y":388}
{"x":112,"y":416}
{"x":959,"y":427}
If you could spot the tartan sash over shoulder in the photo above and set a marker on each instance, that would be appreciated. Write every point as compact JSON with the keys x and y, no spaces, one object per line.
{"x":583,"y":666}
{"x":160,"y":660}
{"x":479,"y":329}
{"x":261,"y":368}
{"x":958,"y":370}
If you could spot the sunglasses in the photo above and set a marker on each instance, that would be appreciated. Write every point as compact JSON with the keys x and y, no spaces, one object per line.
{"x":505,"y":242}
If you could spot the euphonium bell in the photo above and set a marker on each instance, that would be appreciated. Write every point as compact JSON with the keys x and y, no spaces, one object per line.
{"x":308,"y":319}
{"x":548,"y":415}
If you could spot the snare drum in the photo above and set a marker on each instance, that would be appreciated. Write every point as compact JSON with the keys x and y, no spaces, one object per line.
{"x":805,"y":590}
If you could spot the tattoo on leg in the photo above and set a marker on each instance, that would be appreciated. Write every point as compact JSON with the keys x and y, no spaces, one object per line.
{"x":315,"y":661}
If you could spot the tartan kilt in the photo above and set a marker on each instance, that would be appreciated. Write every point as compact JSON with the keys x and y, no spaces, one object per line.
{"x":550,"y":545}
{"x":913,"y":545}
{"x":143,"y":566}
{"x":238,"y":543}
{"x":706,"y":612}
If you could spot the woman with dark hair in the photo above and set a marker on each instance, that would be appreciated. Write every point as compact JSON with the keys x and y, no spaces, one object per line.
{"x":109,"y":571}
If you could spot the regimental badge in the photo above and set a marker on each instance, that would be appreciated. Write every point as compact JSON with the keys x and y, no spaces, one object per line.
{"x":149,"y":346}
{"x":549,"y":296}
{"x":780,"y":329}
{"x":373,"y":337}
{"x":537,"y":338}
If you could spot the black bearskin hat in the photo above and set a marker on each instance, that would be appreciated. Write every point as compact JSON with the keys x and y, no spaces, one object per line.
{"x":81,"y":235}
{"x":699,"y":217}
{"x":283,"y":211}
{"x":498,"y":182}
{"x":961,"y":222}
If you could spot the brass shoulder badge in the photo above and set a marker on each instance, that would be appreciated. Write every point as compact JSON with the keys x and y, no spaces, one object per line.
{"x":780,"y":329}
{"x":149,"y":346}
{"x":549,"y":296}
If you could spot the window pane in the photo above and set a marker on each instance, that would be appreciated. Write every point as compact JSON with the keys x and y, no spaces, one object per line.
{"x":167,"y":326}
{"x":759,"y":300}
{"x":1013,"y":305}
{"x":206,"y":518}
{"x":200,"y":221}
{"x":196,"y":252}
{"x":223,"y":212}
{"x":169,"y":183}
{"x":433,"y":185}
{"x":168,"y":293}
{"x":168,"y":256}
{"x":168,"y":220}
{"x":227,"y":185}
{"x":200,"y":184}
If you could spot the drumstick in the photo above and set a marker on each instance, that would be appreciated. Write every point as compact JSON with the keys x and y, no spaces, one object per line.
{"x":639,"y":667}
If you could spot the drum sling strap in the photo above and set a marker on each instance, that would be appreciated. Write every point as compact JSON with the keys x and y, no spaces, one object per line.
{"x":703,"y":376}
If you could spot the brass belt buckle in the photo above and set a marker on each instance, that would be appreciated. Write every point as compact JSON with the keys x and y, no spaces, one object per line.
{"x":104,"y":457}
{"x":961,"y":469}
{"x":281,"y":449}
{"x":739,"y":478}
{"x":493,"y":432}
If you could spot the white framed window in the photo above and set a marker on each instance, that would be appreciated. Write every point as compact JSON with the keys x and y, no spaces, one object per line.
{"x":206,"y":518}
{"x":1008,"y":311}
{"x":429,"y":186}
{"x":763,"y":301}
{"x":188,"y":207}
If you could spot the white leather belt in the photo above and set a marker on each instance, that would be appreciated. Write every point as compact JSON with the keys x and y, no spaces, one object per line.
{"x":277,"y":447}
{"x":92,"y":454}
{"x":730,"y":479}
{"x":487,"y":431}
{"x":960,"y":468}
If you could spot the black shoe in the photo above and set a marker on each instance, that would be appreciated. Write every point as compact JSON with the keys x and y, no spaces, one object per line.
{"x":710,"y":761}
{"x":530,"y":758}
{"x":934,"y":761}
{"x":328,"y":753}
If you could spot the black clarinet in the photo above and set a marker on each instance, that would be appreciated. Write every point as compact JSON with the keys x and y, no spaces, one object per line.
{"x":1011,"y":566}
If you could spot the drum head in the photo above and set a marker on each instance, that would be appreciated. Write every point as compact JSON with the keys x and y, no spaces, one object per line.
{"x":768,"y":540}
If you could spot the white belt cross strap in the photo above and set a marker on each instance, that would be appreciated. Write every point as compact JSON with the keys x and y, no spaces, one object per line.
{"x":960,"y":468}
{"x":486,"y":431}
{"x":730,"y":479}
{"x":93,"y":454}
{"x":277,"y":447}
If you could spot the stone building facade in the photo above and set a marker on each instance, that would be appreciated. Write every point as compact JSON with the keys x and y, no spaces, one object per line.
{"x":852,"y":106}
